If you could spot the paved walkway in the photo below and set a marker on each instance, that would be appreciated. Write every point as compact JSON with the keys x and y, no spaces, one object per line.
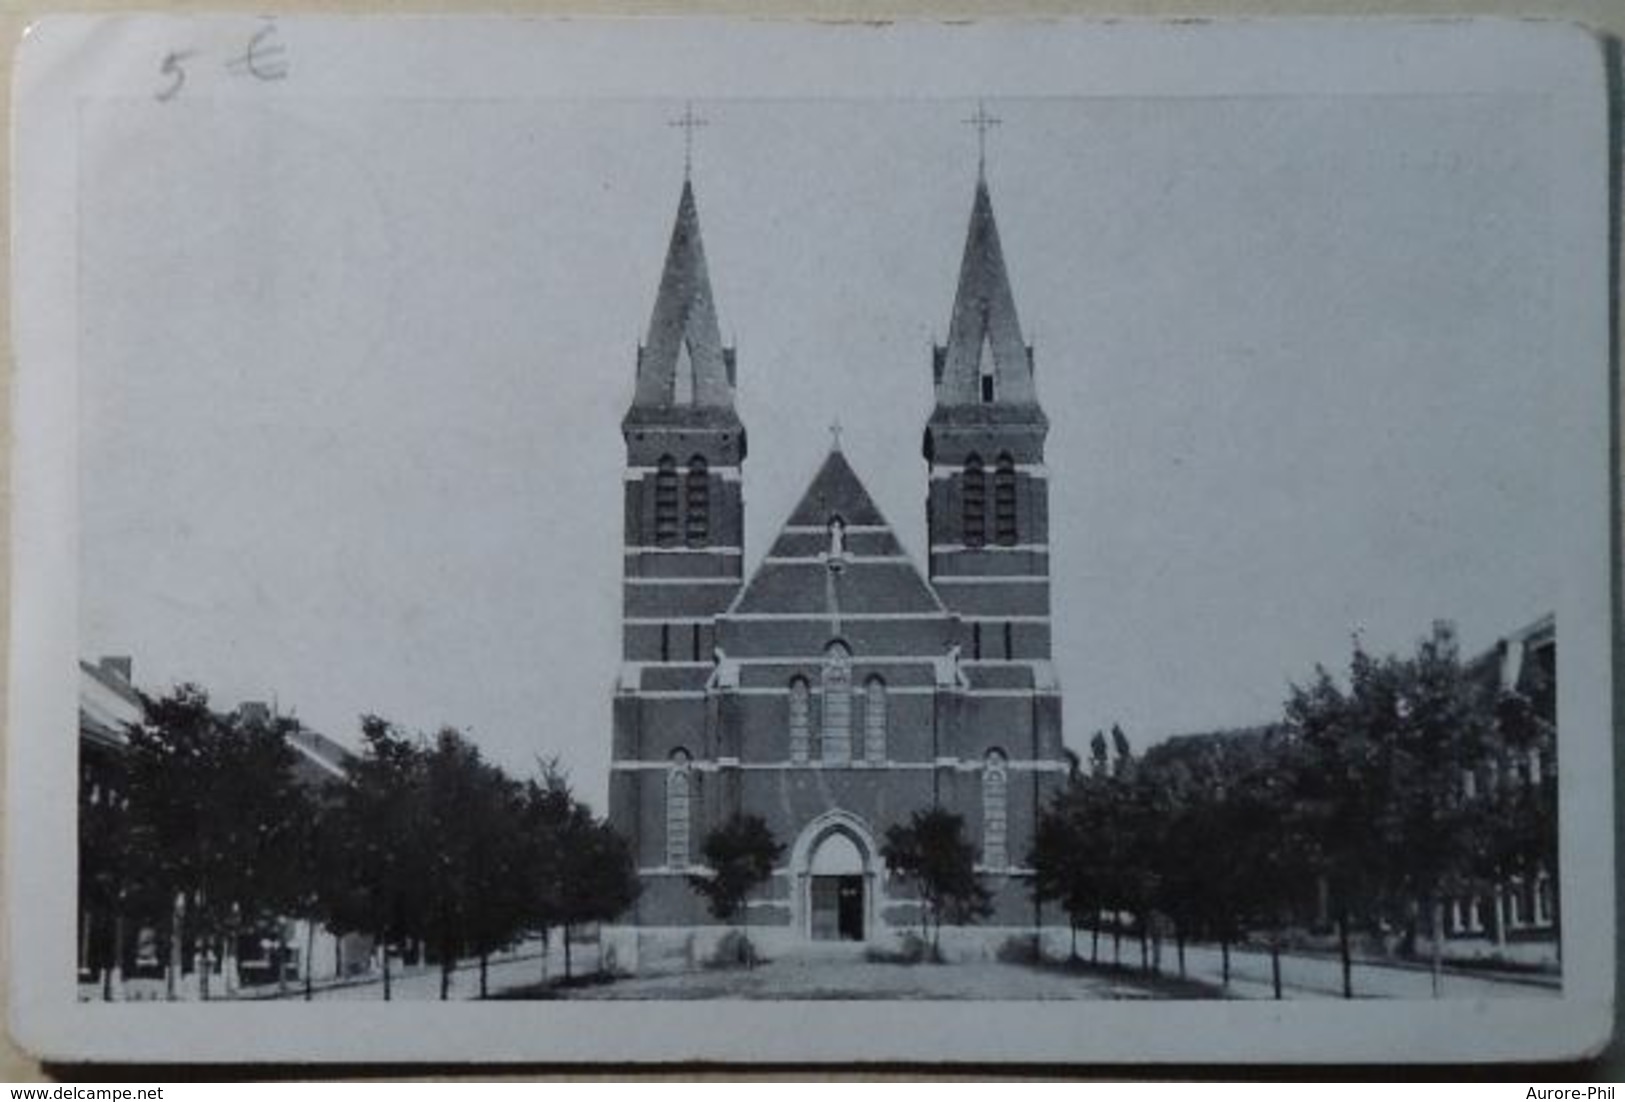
{"x":1317,"y":977}
{"x":852,"y":977}
{"x":860,"y":979}
{"x":420,"y":983}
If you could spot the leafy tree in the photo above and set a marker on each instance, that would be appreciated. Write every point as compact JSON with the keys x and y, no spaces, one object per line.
{"x":1182,"y":809}
{"x":740,"y":855}
{"x":1340,"y":785}
{"x":1063,"y":869}
{"x":1086,"y":845}
{"x":598,"y":872}
{"x":475,"y":902}
{"x":1513,"y":816}
{"x":376,"y":866}
{"x":932,"y":852}
{"x":546,"y":807}
{"x":215,"y":812}
{"x":107,"y":881}
{"x":1273,"y":848}
{"x":1123,"y":756}
{"x":1382,"y":774}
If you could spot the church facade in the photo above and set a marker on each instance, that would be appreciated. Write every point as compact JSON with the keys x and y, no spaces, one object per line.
{"x":839,"y":688}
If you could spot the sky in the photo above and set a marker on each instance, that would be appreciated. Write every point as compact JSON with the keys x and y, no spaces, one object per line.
{"x":352,"y":372}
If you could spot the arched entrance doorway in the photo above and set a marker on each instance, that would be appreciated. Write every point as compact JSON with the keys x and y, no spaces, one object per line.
{"x":836,"y":879}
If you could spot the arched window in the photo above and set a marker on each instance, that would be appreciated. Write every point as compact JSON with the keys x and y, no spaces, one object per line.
{"x":837,"y":537}
{"x":682,"y":380}
{"x":995,"y":810}
{"x":1004,"y":501}
{"x":800,"y":719}
{"x":874,"y":720}
{"x":666,"y":502}
{"x":985,"y":368}
{"x":973,"y":495}
{"x":679,"y":778}
{"x":697,"y":511}
{"x":837,"y":742}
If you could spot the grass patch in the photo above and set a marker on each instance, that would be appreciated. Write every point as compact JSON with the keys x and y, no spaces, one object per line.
{"x":559,"y":988}
{"x":911,"y":949}
{"x":1155,"y":985}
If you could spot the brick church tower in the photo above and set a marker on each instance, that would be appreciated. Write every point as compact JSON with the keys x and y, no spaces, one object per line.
{"x":987,"y":508}
{"x":684,"y":537}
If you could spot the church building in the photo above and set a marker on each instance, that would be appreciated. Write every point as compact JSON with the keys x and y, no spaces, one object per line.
{"x":839,"y":688}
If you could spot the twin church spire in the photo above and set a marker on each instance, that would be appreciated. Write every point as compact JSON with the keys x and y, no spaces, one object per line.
{"x":983,"y":373}
{"x":987,"y":509}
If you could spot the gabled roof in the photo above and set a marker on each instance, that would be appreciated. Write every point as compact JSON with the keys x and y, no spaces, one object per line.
{"x":835,"y":491}
{"x":321,"y":760}
{"x":873,"y":574}
{"x":984,"y":333}
{"x":683,"y":335}
{"x":107,"y":705}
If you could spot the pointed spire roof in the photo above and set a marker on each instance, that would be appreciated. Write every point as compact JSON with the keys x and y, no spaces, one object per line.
{"x":984,"y":334}
{"x":683,"y":332}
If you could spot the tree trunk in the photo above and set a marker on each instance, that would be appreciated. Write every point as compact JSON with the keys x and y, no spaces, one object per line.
{"x":446,"y":962}
{"x":1094,"y":940}
{"x":281,"y":958}
{"x":567,"y":972}
{"x":1117,"y":941}
{"x":546,"y":948}
{"x":1343,"y":953}
{"x":87,"y":922}
{"x":384,"y":948}
{"x":1224,"y":956}
{"x":1074,"y":956}
{"x":1179,"y":940}
{"x":1557,"y":919}
{"x":172,"y":971}
{"x":1436,"y":915}
{"x":115,"y":971}
{"x":228,"y":966}
{"x":484,"y":961}
{"x":310,"y":956}
{"x":205,"y":965}
{"x":1275,"y":965}
{"x":1145,"y":954}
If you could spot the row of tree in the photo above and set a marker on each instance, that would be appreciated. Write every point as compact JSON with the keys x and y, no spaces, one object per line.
{"x":1374,"y":801}
{"x":203,"y":831}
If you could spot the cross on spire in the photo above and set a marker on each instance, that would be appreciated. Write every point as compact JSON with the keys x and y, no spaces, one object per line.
{"x":688,"y":121}
{"x":835,"y":434}
{"x":983,"y":123}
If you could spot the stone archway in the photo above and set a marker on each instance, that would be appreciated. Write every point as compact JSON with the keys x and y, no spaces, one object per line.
{"x":836,"y":866}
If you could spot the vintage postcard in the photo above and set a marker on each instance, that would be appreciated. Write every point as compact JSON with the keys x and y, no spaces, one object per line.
{"x":1004,"y":541}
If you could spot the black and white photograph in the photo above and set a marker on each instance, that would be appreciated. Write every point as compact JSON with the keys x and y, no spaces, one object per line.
{"x":939,"y":542}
